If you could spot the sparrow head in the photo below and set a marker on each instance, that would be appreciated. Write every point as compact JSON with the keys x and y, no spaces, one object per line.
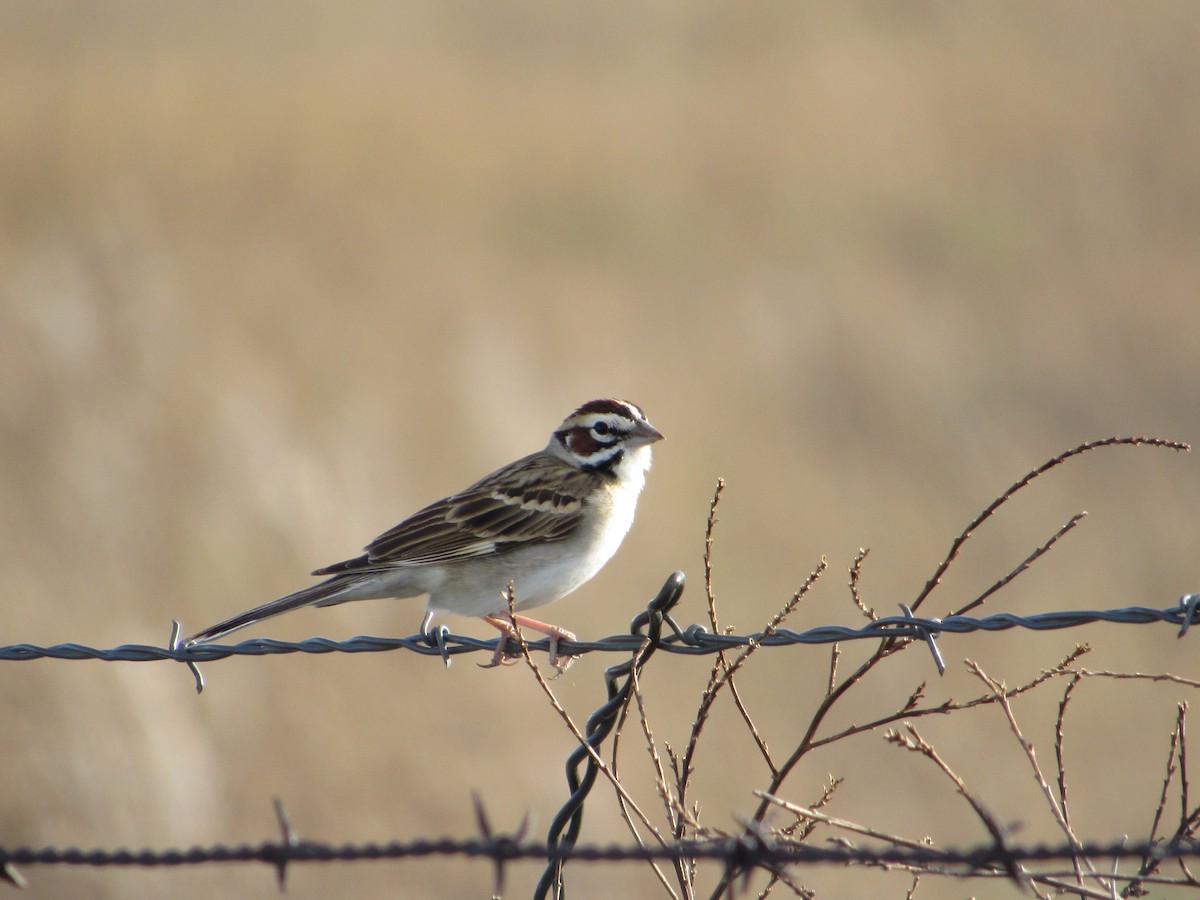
{"x":598,"y":434}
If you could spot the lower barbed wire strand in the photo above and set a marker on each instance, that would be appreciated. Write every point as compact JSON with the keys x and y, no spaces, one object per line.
{"x":506,"y":848}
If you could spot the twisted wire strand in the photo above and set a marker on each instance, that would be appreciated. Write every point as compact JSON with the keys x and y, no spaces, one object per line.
{"x":507,"y":848}
{"x":564,"y":830}
{"x":695,"y":640}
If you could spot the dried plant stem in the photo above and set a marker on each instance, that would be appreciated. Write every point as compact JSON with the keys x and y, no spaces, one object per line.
{"x":1024,"y":566}
{"x":957,"y":544}
{"x":805,"y":827}
{"x":950,"y":706}
{"x":835,"y":653}
{"x":1130,"y":676}
{"x":709,"y":595}
{"x":1181,"y":726}
{"x":1031,"y":756}
{"x":670,"y":805}
{"x":1151,"y":864}
{"x":759,"y":742}
{"x":808,"y":741}
{"x":717,"y":682}
{"x":855,"y":577}
{"x":1048,"y":879}
{"x":1172,"y":760}
{"x":722,"y":662}
{"x":844,"y":824}
{"x":601,"y":766}
{"x":918,"y":744}
{"x":660,"y":779}
{"x":1060,"y":762}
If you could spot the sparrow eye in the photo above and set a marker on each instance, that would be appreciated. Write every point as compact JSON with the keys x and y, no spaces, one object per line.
{"x":601,"y":428}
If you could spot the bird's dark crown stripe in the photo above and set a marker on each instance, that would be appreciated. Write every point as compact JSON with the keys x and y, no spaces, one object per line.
{"x":613,"y":407}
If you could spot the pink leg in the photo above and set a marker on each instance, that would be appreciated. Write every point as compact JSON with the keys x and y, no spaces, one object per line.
{"x":507,"y":626}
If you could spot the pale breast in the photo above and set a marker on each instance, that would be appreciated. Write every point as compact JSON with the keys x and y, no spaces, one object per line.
{"x":545,"y":572}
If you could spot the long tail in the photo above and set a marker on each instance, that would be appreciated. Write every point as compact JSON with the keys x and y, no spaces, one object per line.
{"x":310,"y":596}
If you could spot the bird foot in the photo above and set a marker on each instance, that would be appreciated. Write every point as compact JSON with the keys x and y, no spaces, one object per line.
{"x":507,"y":625}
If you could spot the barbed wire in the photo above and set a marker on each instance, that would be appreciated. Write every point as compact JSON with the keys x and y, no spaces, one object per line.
{"x":752,"y":850}
{"x":693,"y":640}
{"x":733,"y":852}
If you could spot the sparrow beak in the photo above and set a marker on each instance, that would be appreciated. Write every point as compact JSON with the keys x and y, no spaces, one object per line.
{"x":643,"y":433}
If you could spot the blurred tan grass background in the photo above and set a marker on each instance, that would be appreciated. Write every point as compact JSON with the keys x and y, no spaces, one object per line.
{"x":272,"y":277}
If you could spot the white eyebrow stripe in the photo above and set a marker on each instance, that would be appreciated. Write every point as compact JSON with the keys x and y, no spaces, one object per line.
{"x":590,"y":419}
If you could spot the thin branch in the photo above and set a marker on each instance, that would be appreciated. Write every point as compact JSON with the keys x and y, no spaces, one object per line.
{"x":711,"y":599}
{"x":918,"y":744}
{"x":1058,"y":744}
{"x":1181,"y":724}
{"x":802,"y":828}
{"x":601,"y":766}
{"x":816,"y":815}
{"x":1151,"y":863}
{"x":660,"y":777}
{"x":957,"y":544}
{"x":1059,"y":760}
{"x":950,"y":706}
{"x":715,"y":684}
{"x":1024,"y":566}
{"x":835,"y":653}
{"x":1129,"y":676}
{"x":709,"y":595}
{"x":1031,"y":756}
{"x":758,"y":738}
{"x":1049,"y":879}
{"x":855,"y":576}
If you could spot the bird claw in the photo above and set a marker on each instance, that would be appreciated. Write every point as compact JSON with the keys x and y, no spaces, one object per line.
{"x":508,"y":628}
{"x":560,"y":663}
{"x":501,"y":657}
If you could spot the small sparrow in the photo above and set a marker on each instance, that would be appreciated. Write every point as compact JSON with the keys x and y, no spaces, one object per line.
{"x":546,"y":523}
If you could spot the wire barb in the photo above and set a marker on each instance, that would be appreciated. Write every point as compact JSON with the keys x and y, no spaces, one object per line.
{"x":9,"y":873}
{"x":290,"y":841}
{"x":173,"y":646}
{"x":1188,"y":602}
{"x":927,"y":634}
{"x":506,"y":845}
{"x":436,"y":637}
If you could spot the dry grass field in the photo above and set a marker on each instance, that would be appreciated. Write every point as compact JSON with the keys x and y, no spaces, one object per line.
{"x":274,"y":276}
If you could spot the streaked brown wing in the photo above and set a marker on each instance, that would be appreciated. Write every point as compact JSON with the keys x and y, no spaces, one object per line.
{"x":523,"y":502}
